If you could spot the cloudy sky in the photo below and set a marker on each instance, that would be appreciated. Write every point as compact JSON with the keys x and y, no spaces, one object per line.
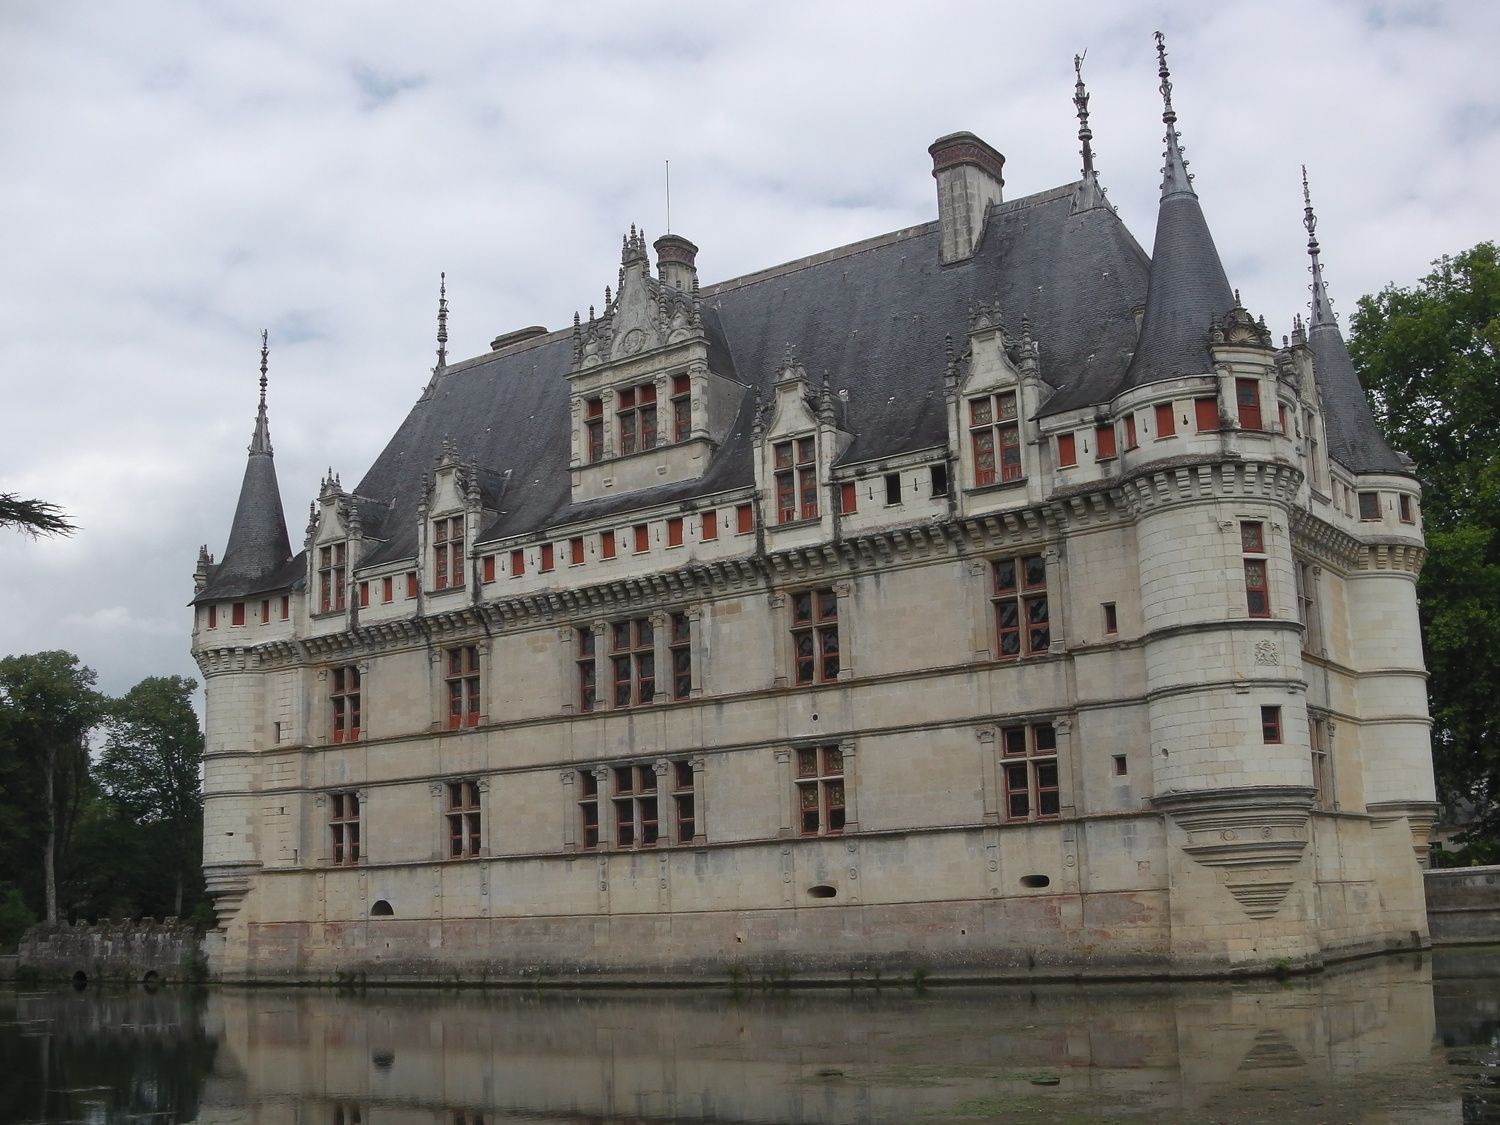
{"x":179,"y":175}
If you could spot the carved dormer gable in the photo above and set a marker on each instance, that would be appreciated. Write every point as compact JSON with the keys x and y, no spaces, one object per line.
{"x":995,"y":389}
{"x":452,"y":513}
{"x":1245,"y":358}
{"x":329,"y":540}
{"x":796,"y":440}
{"x":646,"y":407}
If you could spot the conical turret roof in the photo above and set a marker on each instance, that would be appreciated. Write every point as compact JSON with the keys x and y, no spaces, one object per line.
{"x":1187,"y":290}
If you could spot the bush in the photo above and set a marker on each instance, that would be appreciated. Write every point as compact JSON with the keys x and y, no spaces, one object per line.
{"x":15,"y":918}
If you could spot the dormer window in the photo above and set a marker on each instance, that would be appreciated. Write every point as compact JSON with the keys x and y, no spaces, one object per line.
{"x":636,"y":413}
{"x":594,"y":428}
{"x":995,"y":436}
{"x":796,"y":480}
{"x":682,"y":407}
{"x":331,"y":577}
{"x":448,"y":552}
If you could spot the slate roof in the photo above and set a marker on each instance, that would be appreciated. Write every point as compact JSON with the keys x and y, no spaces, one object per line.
{"x":1354,"y":440}
{"x":873,"y":316}
{"x":258,"y":548}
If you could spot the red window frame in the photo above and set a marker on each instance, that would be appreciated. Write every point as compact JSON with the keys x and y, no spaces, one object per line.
{"x":682,"y":408}
{"x":1206,"y":413}
{"x":1270,"y":725}
{"x":462,"y":678}
{"x":332,"y":577}
{"x":463,"y":820}
{"x":607,"y":544}
{"x":796,"y":471}
{"x":588,"y":809}
{"x":821,"y":796}
{"x":1104,"y":442}
{"x":237,"y":613}
{"x":674,"y":531}
{"x":744,"y":519}
{"x":344,"y":701}
{"x":387,"y":590}
{"x":1018,"y":595}
{"x":448,"y":553}
{"x":213,"y":617}
{"x":680,"y":655}
{"x":1404,"y":502}
{"x":1247,"y":404}
{"x":364,"y":594}
{"x":343,"y":825}
{"x":637,"y":806}
{"x":265,"y":611}
{"x":995,"y":438}
{"x":487,"y":569}
{"x":642,"y":535}
{"x":1028,"y":764}
{"x":1166,"y":420}
{"x":412,"y":589}
{"x":1067,"y":451}
{"x":1257,"y":578}
{"x":549,"y":558}
{"x":286,"y":606}
{"x":593,"y":429}
{"x":632,"y":662}
{"x":684,"y":798}
{"x":815,"y":636}
{"x":848,"y":498}
{"x":1130,"y":441}
{"x":635,"y":417}
{"x":588,"y":674}
{"x":709,"y":528}
{"x":518,"y":562}
{"x":575,"y":551}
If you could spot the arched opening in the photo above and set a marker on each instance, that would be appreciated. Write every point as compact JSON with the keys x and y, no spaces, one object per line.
{"x":152,"y":980}
{"x":382,"y":909}
{"x":822,"y":890}
{"x":383,"y":1058}
{"x":80,"y":980}
{"x":1035,"y":881}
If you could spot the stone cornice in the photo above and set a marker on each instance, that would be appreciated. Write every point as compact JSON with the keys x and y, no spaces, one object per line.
{"x":1401,"y":556}
{"x":1219,"y":477}
{"x":1322,"y":541}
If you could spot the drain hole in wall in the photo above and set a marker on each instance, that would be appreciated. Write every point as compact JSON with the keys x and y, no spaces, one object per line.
{"x":1035,"y":881}
{"x":822,"y":890}
{"x":382,"y":909}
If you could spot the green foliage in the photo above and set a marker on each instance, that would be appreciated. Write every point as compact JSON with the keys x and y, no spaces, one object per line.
{"x":15,"y":917}
{"x":33,"y":517}
{"x":1430,"y":358}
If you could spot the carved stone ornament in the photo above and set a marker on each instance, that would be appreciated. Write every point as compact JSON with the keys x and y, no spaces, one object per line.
{"x":1266,"y":653}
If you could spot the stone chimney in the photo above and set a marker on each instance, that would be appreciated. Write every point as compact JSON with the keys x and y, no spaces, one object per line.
{"x":968,"y":174}
{"x":676,"y":262}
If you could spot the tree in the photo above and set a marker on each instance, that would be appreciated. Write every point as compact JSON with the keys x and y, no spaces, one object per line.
{"x":1430,"y":357}
{"x":33,"y":517}
{"x":47,"y":707}
{"x":153,"y":748}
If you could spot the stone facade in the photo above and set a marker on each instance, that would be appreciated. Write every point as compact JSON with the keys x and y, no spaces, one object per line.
{"x":643,"y":653}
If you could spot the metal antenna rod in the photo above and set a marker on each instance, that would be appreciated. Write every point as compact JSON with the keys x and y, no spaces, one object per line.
{"x":669,"y":197}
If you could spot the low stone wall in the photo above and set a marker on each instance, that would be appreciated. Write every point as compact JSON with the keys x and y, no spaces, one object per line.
{"x":1463,"y":904}
{"x":118,"y":951}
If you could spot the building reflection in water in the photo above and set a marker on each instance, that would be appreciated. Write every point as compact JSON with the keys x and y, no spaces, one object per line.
{"x":1172,"y":1052}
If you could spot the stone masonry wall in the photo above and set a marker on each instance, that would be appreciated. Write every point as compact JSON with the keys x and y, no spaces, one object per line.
{"x":1463,"y":905}
{"x":121,"y":951}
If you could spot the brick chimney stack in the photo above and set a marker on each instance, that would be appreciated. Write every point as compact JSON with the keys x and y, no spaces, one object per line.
{"x":968,"y":174}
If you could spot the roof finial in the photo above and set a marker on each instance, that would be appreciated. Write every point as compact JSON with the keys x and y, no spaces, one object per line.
{"x":1322,"y":307}
{"x":442,"y":337}
{"x":1081,"y":102}
{"x":265,"y":352}
{"x":260,"y":440}
{"x":1175,"y":178}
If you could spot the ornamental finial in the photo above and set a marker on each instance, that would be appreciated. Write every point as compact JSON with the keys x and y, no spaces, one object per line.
{"x":1322,"y":307}
{"x":1081,"y":103}
{"x":265,"y":353}
{"x":1169,"y":115}
{"x":442,"y":332}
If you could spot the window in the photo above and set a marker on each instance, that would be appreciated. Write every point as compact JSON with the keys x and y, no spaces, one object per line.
{"x":684,"y":804}
{"x":674,"y":532}
{"x":607,"y":544}
{"x":331,"y":577}
{"x":575,"y":552}
{"x":632,"y":661}
{"x":1270,"y":725}
{"x":1369,"y":508}
{"x":680,"y":650}
{"x":892,"y":489}
{"x":635,"y":412}
{"x":1111,"y":619}
{"x":286,"y":606}
{"x":995,"y":437}
{"x":588,"y":808}
{"x":588,"y":683}
{"x":1408,"y":515}
{"x":637,"y":812}
{"x":237,"y":613}
{"x":265,"y":611}
{"x":1281,"y":417}
{"x":411,"y":583}
{"x":517,"y":563}
{"x":1121,"y":766}
{"x":463,"y":686}
{"x":1166,"y":421}
{"x":1322,"y":764}
{"x":593,"y":429}
{"x":213,"y":617}
{"x":487,"y":569}
{"x":1130,"y":442}
{"x":1029,"y":762}
{"x":448,"y":553}
{"x":1067,"y":450}
{"x":744,"y":519}
{"x":548,"y":558}
{"x":796,"y":479}
{"x":848,"y":498}
{"x":1022,"y":627}
{"x":710,"y":526}
{"x":1307,"y":607}
{"x":938,"y":475}
{"x":1104,"y":441}
{"x":387,"y":590}
{"x":1207,"y":412}
{"x":463,"y":819}
{"x":815,"y":636}
{"x":1257,"y":589}
{"x":1247,"y":402}
{"x":343,"y":824}
{"x":682,"y":407}
{"x":344,"y":698}
{"x":820,"y":790}
{"x":642,"y":539}
{"x":364,"y":594}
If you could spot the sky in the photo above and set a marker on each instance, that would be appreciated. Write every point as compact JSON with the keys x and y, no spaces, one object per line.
{"x":179,"y":175}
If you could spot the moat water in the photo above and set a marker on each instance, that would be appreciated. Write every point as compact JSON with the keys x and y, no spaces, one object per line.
{"x":1402,"y":1039}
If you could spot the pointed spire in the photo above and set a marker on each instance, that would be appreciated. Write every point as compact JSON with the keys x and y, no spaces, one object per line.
{"x":1175,"y":179}
{"x":1322,"y":307}
{"x":1187,"y":290}
{"x":260,"y":440}
{"x":1081,"y":103}
{"x":442,"y":333}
